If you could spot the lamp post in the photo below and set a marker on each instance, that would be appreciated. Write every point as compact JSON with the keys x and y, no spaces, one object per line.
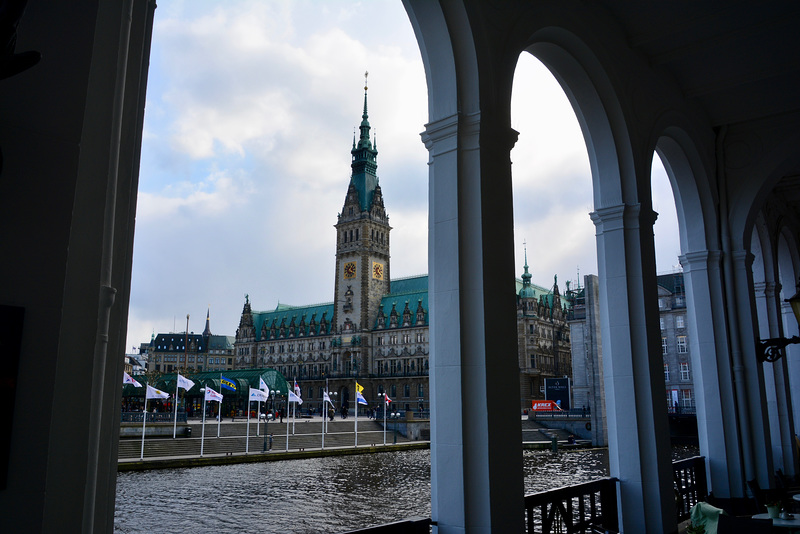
{"x":771,"y":350}
{"x":266,"y":420}
{"x":385,"y":405}
{"x":395,"y":416}
{"x":333,"y":395}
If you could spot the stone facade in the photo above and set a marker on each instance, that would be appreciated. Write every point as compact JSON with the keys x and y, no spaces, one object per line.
{"x":376,"y":330}
{"x":587,"y":352}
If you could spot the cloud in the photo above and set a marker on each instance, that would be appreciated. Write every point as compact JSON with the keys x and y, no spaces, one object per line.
{"x":249,"y":122}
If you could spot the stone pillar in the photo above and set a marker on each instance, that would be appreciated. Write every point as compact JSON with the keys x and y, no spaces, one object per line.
{"x":713,"y":377}
{"x":775,"y":377}
{"x":595,"y":366}
{"x":476,"y":438}
{"x":749,"y":376}
{"x":638,"y":430}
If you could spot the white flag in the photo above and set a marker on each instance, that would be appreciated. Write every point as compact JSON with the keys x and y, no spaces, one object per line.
{"x":212,"y":395}
{"x":128,"y":379}
{"x":262,"y":385}
{"x":185,"y":383}
{"x":256,"y":395}
{"x":153,"y":393}
{"x":294,"y":398}
{"x":326,"y":397}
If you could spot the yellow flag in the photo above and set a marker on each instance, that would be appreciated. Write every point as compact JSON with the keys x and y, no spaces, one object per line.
{"x":359,"y":387}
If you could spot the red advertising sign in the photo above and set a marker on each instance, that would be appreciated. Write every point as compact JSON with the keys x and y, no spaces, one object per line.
{"x":545,"y":405}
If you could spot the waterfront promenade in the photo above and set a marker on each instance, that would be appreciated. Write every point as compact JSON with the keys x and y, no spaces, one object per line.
{"x":232,"y":445}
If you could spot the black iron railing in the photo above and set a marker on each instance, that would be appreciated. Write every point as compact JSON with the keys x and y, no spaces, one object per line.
{"x":689,"y":477}
{"x":587,"y":508}
{"x":158,"y":417}
{"x":576,"y":413}
{"x":417,"y":525}
{"x":579,"y":509}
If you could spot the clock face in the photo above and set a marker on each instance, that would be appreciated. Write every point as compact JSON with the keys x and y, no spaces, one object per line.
{"x":377,"y":270}
{"x":350,"y":270}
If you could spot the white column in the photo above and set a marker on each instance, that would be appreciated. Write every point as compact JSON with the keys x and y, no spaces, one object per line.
{"x":749,"y":376}
{"x":638,"y":430}
{"x":476,"y":440}
{"x":713,"y":376}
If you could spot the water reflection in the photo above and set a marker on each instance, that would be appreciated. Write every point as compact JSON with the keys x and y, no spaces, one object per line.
{"x":330,"y":494}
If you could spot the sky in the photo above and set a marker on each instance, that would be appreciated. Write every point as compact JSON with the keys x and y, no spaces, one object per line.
{"x":249,"y":121}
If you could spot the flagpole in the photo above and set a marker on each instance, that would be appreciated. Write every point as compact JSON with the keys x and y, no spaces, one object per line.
{"x":385,"y":406}
{"x":144,"y":423}
{"x":294,"y":409}
{"x":175,"y":422}
{"x":258,"y":421}
{"x":247,"y":443}
{"x":203,"y":433}
{"x":356,"y":425}
{"x":219,"y":412}
{"x":287,"y":424}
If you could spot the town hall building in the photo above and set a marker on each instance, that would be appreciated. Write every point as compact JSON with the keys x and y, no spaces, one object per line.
{"x":376,"y":329}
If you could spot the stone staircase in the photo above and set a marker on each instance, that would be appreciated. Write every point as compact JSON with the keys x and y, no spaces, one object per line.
{"x":536,"y":431}
{"x":233,"y":438}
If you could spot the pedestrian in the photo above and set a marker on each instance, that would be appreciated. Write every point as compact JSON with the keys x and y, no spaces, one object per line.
{"x":281,"y":415}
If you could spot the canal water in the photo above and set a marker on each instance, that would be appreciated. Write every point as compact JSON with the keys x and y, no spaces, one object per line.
{"x":332,"y":494}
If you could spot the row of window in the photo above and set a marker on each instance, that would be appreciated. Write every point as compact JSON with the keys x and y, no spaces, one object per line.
{"x":684,"y":370}
{"x":291,"y":347}
{"x":380,"y":237}
{"x":678,"y":302}
{"x":683,"y":348}
{"x":679,"y":397}
{"x":547,"y":333}
{"x":680,"y":322}
{"x":404,"y":338}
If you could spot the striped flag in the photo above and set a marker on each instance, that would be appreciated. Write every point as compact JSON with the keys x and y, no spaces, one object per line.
{"x":360,"y":398}
{"x":226,"y":383}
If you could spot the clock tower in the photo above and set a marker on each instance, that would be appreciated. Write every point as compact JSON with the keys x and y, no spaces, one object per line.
{"x":362,"y":243}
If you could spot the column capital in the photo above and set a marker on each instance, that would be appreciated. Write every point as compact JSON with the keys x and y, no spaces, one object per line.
{"x":700,"y":260}
{"x":622,"y":216}
{"x":441,"y":136}
{"x":742,"y":258}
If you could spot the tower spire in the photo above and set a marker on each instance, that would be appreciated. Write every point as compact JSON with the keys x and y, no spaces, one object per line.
{"x":207,"y":331}
{"x":363,"y":141}
{"x":364,"y":160}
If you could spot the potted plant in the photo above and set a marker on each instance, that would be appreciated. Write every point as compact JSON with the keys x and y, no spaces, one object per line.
{"x":773,"y":502}
{"x":698,"y":529}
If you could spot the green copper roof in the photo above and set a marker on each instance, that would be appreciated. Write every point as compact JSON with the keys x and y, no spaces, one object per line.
{"x":527,"y":291}
{"x":284,"y":314}
{"x":410,"y":283}
{"x":364,"y":163}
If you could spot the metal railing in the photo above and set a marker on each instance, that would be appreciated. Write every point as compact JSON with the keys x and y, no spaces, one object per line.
{"x":691,"y":487}
{"x":575,"y":413}
{"x":158,"y":417}
{"x":416,"y":525}
{"x":587,"y":508}
{"x":581,"y":509}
